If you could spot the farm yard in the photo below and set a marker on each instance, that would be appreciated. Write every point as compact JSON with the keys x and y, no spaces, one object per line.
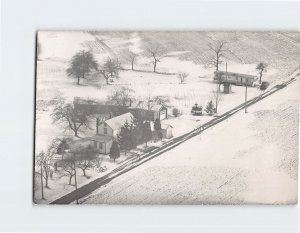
{"x":198,"y":173}
{"x":184,"y":52}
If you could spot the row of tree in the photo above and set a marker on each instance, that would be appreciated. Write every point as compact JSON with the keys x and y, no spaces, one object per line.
{"x":84,"y":62}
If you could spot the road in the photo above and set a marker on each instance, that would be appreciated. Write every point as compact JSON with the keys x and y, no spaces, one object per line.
{"x":135,"y":162}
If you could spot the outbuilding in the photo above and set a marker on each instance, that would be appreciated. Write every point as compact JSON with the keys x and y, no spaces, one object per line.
{"x":167,"y":131}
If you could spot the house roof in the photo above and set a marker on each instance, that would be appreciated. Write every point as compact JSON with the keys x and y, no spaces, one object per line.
{"x":157,"y":107}
{"x":76,"y":144}
{"x":235,"y":74}
{"x":165,"y":126}
{"x":101,"y":138}
{"x":119,"y":121}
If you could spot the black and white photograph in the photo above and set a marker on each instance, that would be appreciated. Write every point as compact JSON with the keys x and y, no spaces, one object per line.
{"x":166,"y":117}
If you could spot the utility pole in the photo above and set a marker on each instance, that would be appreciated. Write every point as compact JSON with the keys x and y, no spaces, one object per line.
{"x":75,"y":178}
{"x":246,"y":99}
{"x":42,"y":181}
{"x":226,"y":71}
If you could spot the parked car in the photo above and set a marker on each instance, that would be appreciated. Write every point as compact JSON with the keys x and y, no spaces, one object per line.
{"x":264,"y":86}
{"x":196,"y":110}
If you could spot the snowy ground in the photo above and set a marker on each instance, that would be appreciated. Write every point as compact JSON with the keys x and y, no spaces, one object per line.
{"x":58,"y":47}
{"x":250,"y":158}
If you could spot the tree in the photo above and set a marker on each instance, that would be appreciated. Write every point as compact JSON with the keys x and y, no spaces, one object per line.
{"x":146,"y":132}
{"x":121,"y":96}
{"x":157,"y":125}
{"x":68,"y":167}
{"x":261,"y":68}
{"x":210,"y":108}
{"x":217,"y":97}
{"x":110,"y":69}
{"x":156,"y":52}
{"x":114,"y":151}
{"x":85,"y":158}
{"x":182,"y":77}
{"x":81,"y":64}
{"x":45,"y":160}
{"x":66,"y":115}
{"x":217,"y":49}
{"x":132,"y":56}
{"x":125,"y":137}
{"x":175,"y":112}
{"x":63,"y":145}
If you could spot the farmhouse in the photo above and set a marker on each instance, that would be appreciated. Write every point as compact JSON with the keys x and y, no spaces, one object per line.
{"x":93,"y":107}
{"x":112,"y":127}
{"x":102,"y":143}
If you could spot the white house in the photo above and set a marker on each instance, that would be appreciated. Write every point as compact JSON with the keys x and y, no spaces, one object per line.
{"x":102,"y":143}
{"x":112,"y":127}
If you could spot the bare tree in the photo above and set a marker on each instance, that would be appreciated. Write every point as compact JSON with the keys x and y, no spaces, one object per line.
{"x":217,"y":97}
{"x":132,"y":56}
{"x":45,"y":161}
{"x":156,"y":52}
{"x":66,"y":115}
{"x":68,"y":168}
{"x":217,"y":49}
{"x":82,"y":64}
{"x":110,"y":69}
{"x":182,"y":76}
{"x":121,"y":96}
{"x":261,"y":68}
{"x":85,"y":157}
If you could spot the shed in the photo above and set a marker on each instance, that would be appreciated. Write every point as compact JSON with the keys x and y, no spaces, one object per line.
{"x":167,"y":131}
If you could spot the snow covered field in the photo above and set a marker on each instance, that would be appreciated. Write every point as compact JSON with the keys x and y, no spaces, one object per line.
{"x":250,"y":158}
{"x":184,"y":55}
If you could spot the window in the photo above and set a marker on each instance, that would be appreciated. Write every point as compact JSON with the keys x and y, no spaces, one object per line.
{"x":95,"y":144}
{"x":100,"y":145}
{"x":105,"y":130}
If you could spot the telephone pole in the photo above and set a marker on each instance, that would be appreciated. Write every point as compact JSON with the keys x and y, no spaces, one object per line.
{"x":42,"y":186}
{"x":75,"y":178}
{"x":246,"y":99}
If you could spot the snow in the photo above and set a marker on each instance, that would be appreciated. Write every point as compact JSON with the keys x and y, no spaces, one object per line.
{"x":52,"y":82}
{"x":210,"y":169}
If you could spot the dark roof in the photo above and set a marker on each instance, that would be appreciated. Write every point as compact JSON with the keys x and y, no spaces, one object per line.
{"x":142,"y":113}
{"x":157,"y":107}
{"x":77,"y":143}
{"x":235,"y":74}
